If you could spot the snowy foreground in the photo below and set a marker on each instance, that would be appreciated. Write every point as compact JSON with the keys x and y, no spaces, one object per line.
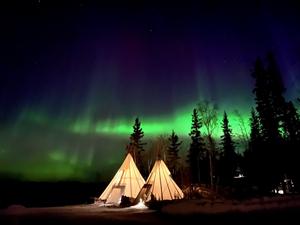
{"x":276,"y":210}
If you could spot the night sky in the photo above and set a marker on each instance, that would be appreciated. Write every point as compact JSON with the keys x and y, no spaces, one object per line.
{"x":74,"y":76}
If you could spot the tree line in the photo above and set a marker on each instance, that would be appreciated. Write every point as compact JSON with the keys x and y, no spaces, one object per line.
{"x":271,"y":152}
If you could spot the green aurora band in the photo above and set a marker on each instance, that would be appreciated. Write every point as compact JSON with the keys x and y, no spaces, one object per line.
{"x":180,"y":122}
{"x":53,"y":149}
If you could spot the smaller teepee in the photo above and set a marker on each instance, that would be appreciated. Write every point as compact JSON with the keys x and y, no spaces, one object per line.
{"x":160,"y":185}
{"x":127,"y":182}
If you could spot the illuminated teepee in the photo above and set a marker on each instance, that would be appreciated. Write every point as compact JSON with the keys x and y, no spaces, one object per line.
{"x":160,"y":185}
{"x":127,"y":182}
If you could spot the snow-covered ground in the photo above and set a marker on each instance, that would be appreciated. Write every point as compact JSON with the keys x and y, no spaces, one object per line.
{"x":281,"y":210}
{"x":187,"y":207}
{"x":78,"y":214}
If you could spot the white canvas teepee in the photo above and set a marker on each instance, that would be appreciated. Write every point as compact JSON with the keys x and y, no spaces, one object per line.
{"x":160,"y":184}
{"x":127,"y":182}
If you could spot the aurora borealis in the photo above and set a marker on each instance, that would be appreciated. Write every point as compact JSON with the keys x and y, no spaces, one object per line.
{"x":74,"y":77}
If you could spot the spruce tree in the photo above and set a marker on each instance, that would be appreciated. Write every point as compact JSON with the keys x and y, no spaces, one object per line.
{"x":278,"y":120}
{"x":270,"y":107}
{"x":172,"y":153}
{"x":196,"y":149}
{"x":255,"y":132}
{"x":264,"y":103}
{"x":228,"y":159}
{"x":291,"y":127}
{"x":291,"y":123}
{"x":136,"y":146}
{"x":285,"y":161}
{"x":277,"y":88}
{"x":253,"y":155}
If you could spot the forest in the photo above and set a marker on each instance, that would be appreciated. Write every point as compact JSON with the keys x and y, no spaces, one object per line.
{"x":269,"y":161}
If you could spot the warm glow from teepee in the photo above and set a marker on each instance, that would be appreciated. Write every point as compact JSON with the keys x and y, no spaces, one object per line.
{"x":140,"y":205}
{"x":127,"y":182}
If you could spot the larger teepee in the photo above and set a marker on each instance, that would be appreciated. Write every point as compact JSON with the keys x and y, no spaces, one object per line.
{"x":160,"y":185}
{"x":127,"y":182}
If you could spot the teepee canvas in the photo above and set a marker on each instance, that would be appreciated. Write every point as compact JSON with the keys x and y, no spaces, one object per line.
{"x":127,"y":182}
{"x":160,"y":184}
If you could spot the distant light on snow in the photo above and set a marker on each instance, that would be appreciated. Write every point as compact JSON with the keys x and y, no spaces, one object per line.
{"x":280,"y":192}
{"x":239,"y":176}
